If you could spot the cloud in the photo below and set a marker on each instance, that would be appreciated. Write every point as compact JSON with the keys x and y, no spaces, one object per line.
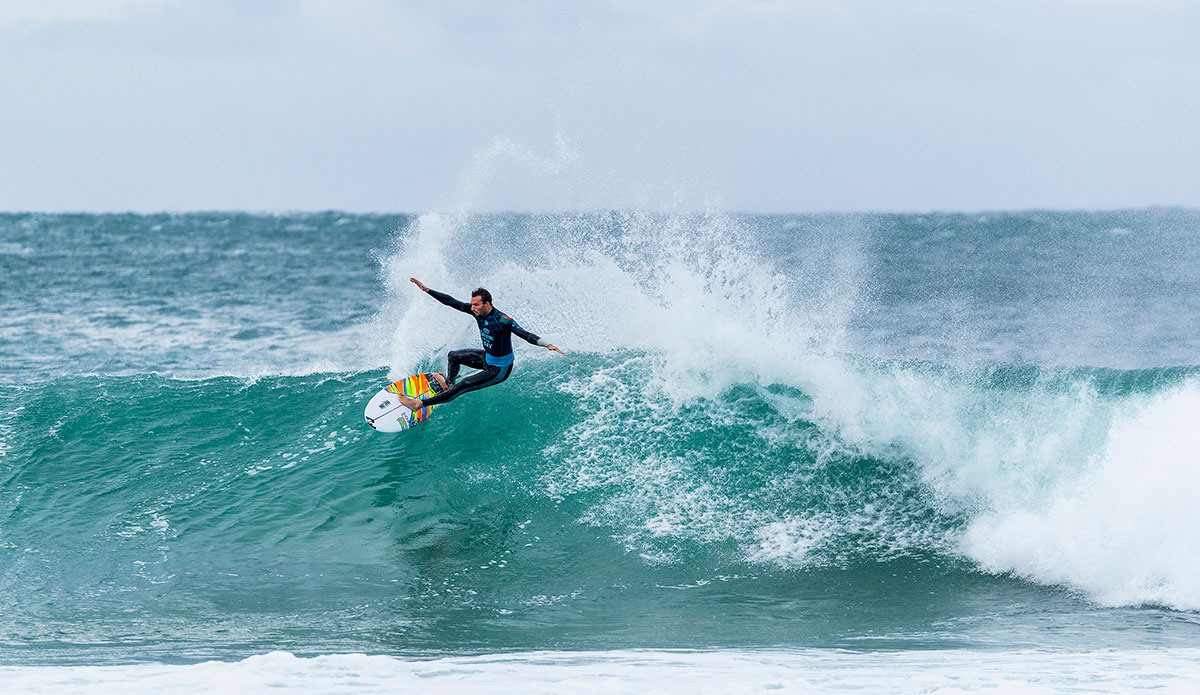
{"x":762,"y":104}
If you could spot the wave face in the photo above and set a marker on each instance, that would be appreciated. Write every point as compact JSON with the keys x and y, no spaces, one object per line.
{"x":763,"y":434}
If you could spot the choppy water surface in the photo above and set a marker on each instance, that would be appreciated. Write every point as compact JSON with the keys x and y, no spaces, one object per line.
{"x":964,"y":433}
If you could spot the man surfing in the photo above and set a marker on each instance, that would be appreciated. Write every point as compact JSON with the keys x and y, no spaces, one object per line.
{"x":494,"y":361}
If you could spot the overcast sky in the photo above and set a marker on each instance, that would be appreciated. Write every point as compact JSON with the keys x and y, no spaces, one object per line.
{"x":739,"y":105}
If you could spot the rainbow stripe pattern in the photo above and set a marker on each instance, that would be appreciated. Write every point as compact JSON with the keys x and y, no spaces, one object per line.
{"x":416,"y":386}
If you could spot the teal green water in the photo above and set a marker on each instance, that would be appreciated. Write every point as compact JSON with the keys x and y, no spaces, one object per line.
{"x":183,"y":476}
{"x":148,"y":517}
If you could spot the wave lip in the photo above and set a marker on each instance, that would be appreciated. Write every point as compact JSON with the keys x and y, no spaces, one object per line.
{"x":1126,"y":533}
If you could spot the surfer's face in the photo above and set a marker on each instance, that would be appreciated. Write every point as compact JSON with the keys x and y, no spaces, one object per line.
{"x":479,"y":307}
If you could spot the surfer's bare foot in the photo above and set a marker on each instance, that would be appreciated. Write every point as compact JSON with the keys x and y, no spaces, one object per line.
{"x":413,"y":404}
{"x":440,"y":379}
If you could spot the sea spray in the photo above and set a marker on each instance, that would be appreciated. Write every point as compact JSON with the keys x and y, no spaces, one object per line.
{"x":767,"y":431}
{"x":721,"y":367}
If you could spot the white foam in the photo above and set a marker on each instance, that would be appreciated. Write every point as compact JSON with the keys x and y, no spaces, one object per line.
{"x":12,"y":248}
{"x":1126,"y":533}
{"x":168,"y":344}
{"x":941,"y":672}
{"x":1056,"y":481}
{"x":1058,"y":484}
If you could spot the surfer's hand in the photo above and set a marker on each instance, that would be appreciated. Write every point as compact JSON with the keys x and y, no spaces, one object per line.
{"x":418,"y":283}
{"x":554,"y":348}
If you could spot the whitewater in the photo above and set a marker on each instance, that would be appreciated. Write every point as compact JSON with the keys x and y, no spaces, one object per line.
{"x":921,"y":453}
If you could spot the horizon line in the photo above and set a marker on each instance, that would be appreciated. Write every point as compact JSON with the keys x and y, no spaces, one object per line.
{"x":604,"y":211}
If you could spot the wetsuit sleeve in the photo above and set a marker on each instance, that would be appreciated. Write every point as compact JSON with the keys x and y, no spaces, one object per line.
{"x":450,"y":301}
{"x":520,"y":332}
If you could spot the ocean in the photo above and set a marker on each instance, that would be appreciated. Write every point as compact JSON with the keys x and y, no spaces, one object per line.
{"x":802,"y":453}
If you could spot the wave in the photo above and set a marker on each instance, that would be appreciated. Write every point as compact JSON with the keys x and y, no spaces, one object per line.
{"x":711,"y":421}
{"x":1076,"y":477}
{"x":716,"y":360}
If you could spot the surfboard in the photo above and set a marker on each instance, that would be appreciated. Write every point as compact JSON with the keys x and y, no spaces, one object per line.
{"x":384,"y":411}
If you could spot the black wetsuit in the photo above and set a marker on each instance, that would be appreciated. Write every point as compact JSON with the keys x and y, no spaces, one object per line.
{"x":494,"y":361}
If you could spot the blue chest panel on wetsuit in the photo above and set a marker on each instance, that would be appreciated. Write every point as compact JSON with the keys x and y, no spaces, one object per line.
{"x":495,"y":330}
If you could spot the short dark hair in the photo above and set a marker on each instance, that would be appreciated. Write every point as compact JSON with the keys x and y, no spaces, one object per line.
{"x":484,"y":295}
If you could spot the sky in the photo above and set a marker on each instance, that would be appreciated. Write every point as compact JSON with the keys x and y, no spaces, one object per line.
{"x":733,"y":105}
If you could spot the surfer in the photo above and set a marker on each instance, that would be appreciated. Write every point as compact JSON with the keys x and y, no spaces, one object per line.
{"x":494,"y":361}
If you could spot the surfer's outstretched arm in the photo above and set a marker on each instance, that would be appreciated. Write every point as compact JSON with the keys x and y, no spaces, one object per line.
{"x":442,"y":297}
{"x":529,"y":337}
